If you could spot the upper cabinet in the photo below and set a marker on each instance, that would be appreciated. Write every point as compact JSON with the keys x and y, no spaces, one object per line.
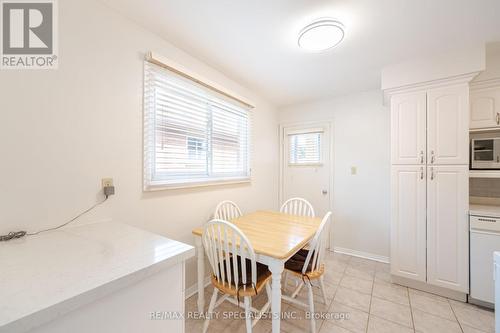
{"x":408,"y":128}
{"x":431,"y":126}
{"x":485,"y":108}
{"x":448,"y":125}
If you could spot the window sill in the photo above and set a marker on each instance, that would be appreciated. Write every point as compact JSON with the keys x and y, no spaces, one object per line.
{"x":304,"y":164}
{"x":176,"y":186}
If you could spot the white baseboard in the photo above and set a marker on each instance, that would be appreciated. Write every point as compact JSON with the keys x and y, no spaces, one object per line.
{"x":361,"y":254}
{"x":194,"y":288}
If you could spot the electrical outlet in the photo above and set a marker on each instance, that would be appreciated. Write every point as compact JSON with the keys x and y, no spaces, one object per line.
{"x":107,"y":182}
{"x":107,"y":187}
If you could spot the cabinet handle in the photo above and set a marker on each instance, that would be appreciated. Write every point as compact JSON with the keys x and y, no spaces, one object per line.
{"x":432,"y":156}
{"x":422,"y":173}
{"x":421,"y":157}
{"x":498,"y":118}
{"x":487,"y":220}
{"x":432,"y":173}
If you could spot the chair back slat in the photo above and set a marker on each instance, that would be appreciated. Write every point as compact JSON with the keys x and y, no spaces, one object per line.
{"x":220,"y":254}
{"x":243,"y":261}
{"x":235,"y":257}
{"x":227,"y":260}
{"x":227,"y":210}
{"x":298,"y":206}
{"x":211,"y":248}
{"x":226,"y":246}
{"x":318,"y":245}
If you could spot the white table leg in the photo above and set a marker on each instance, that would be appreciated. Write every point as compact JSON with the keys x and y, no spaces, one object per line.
{"x":201,"y":274}
{"x":276,"y":268}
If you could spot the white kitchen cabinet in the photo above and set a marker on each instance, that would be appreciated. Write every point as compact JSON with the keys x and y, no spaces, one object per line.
{"x":429,"y":193}
{"x":448,"y":125}
{"x":447,"y":227}
{"x":408,"y":128}
{"x":408,"y":227}
{"x":485,"y":108}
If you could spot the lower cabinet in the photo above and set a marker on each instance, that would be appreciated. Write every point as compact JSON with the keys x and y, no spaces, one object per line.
{"x":429,"y":224}
{"x":447,"y":227}
{"x":408,"y":228}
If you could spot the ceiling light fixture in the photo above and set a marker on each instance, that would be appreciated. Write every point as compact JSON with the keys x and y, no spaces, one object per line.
{"x":321,"y":35}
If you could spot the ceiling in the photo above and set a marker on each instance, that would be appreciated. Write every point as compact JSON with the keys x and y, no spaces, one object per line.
{"x":254,"y":42}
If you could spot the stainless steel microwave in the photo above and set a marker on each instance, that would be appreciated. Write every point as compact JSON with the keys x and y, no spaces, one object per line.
{"x":485,"y":153}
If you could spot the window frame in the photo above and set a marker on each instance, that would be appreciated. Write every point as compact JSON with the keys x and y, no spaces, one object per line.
{"x":150,"y":126}
{"x":289,"y":134}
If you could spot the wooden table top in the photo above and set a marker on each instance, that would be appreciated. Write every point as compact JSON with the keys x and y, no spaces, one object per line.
{"x":275,"y":234}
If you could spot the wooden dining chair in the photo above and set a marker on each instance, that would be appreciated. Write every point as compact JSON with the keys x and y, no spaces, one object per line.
{"x":297,"y":206}
{"x":227,"y":210}
{"x":308,"y":266}
{"x":235,"y":273}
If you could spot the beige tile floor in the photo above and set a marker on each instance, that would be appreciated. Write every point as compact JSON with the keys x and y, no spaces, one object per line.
{"x":361,"y":288}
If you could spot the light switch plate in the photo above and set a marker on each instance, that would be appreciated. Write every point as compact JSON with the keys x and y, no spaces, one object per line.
{"x":354,"y":170}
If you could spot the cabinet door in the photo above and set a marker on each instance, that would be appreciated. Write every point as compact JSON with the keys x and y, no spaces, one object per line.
{"x":408,"y":141}
{"x":448,"y":227}
{"x":485,"y":108}
{"x":408,"y":227}
{"x":448,"y":125}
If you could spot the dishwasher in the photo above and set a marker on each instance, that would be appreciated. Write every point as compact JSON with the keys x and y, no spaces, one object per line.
{"x":484,"y":241}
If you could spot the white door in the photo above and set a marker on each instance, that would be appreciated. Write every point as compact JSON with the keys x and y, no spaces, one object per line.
{"x":306,"y":165}
{"x":448,"y":125}
{"x":408,"y":227}
{"x":448,"y":227}
{"x":485,"y":108}
{"x":408,"y":128}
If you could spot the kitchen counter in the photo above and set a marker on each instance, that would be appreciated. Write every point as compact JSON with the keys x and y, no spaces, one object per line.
{"x":46,"y":276}
{"x":484,"y":210}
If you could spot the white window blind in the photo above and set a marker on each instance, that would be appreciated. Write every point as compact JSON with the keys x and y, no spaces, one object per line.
{"x":305,"y":148}
{"x":192,"y":135}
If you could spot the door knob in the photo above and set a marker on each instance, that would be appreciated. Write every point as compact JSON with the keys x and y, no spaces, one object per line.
{"x":324,"y":192}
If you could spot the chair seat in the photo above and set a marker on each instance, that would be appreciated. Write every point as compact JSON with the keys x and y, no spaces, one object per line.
{"x":296,"y":263}
{"x":263,"y":276}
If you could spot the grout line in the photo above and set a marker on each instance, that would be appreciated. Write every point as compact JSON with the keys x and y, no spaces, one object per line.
{"x":455,"y":315}
{"x":370,"y":306}
{"x":411,"y":309}
{"x":392,"y":321}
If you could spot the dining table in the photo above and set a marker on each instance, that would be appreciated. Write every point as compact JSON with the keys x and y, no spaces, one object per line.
{"x":275,"y":237}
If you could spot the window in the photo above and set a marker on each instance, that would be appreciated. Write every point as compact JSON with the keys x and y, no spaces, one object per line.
{"x":305,"y":148}
{"x":192,"y":135}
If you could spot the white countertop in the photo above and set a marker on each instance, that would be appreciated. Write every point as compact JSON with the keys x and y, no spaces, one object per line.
{"x":46,"y":276}
{"x":484,"y":210}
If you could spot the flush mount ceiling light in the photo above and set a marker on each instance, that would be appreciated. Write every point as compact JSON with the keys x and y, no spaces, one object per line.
{"x":321,"y":35}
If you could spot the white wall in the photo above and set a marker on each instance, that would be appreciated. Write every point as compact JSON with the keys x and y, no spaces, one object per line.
{"x":362,"y":139}
{"x":434,"y":67}
{"x":62,"y":131}
{"x":492,"y":63}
